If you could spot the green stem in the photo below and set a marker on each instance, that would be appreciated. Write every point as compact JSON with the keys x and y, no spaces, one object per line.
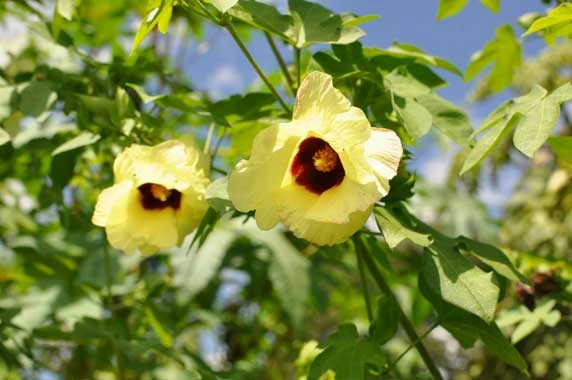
{"x":394,"y":363}
{"x":208,"y":13}
{"x":114,"y":343}
{"x":228,"y":26}
{"x":365,"y":290}
{"x":280,"y":60}
{"x":403,"y":319}
{"x":209,"y":139}
{"x":298,"y":53}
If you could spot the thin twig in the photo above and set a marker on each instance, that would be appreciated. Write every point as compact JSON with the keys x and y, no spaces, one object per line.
{"x":209,"y":138}
{"x":281,"y":62}
{"x":403,"y":319}
{"x":421,"y":337}
{"x":298,"y":53}
{"x":228,"y":26}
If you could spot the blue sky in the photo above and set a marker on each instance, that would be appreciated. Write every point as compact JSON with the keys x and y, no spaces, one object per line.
{"x":222,"y":69}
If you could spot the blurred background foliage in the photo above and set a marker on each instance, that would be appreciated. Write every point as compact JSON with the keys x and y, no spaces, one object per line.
{"x":247,"y":304}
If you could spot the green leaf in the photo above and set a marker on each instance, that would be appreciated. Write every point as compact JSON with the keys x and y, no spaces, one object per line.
{"x":504,"y":53}
{"x":493,"y":5}
{"x":355,"y":21}
{"x":394,"y":232}
{"x":160,"y":14}
{"x":524,"y":329}
{"x":194,"y":271}
{"x":65,"y":8}
{"x":262,"y":16}
{"x":145,"y":97}
{"x":62,"y":167}
{"x":528,"y":321}
{"x":314,"y":23}
{"x":289,"y":272}
{"x":493,"y":257}
{"x":385,"y":325}
{"x":490,"y":139}
{"x":448,"y":118}
{"x":562,"y":147}
{"x":467,"y":328}
{"x":459,"y":282}
{"x":416,"y":119}
{"x":4,"y":137}
{"x":412,"y":51}
{"x":37,"y":97}
{"x":163,"y":334}
{"x":448,"y":8}
{"x":557,"y":23}
{"x":223,"y":5}
{"x":81,"y":140}
{"x":404,"y":84}
{"x":539,"y":120}
{"x":348,"y":355}
{"x":502,"y":120}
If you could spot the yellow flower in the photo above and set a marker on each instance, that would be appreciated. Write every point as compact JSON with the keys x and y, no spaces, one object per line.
{"x":321,"y":173}
{"x":157,"y":199}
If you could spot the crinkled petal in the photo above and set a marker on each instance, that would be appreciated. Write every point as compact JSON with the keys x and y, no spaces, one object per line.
{"x":318,"y":99}
{"x":338,"y":203}
{"x":123,"y":164}
{"x":172,"y":164}
{"x":294,"y":203}
{"x":130,"y":226}
{"x":383,"y":151}
{"x":252,"y":183}
{"x":108,"y":199}
{"x":346,"y":129}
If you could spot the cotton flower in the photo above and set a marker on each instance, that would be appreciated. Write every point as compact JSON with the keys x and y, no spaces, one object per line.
{"x":157,"y":198}
{"x":321,"y":173}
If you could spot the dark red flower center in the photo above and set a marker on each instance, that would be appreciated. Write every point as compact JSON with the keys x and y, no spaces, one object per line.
{"x":317,"y":166}
{"x":158,"y":197}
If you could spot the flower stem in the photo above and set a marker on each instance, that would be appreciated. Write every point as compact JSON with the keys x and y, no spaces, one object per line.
{"x":118,"y":356}
{"x":364,"y":286}
{"x":228,"y":26}
{"x":280,"y":60}
{"x":403,"y":319}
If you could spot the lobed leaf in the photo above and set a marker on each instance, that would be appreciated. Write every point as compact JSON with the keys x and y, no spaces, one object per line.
{"x":557,"y":23}
{"x":504,"y":53}
{"x":348,"y":355}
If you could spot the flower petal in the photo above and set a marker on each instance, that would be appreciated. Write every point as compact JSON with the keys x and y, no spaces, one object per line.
{"x":171,"y":164}
{"x":384,"y":150}
{"x":108,"y":199}
{"x":295,"y":202}
{"x":336,"y":204}
{"x":130,"y":226}
{"x":318,"y":99}
{"x":346,"y":129}
{"x":253,"y":181}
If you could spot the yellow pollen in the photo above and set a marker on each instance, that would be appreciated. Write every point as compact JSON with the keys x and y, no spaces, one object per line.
{"x":160,"y":192}
{"x":325,"y":159}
